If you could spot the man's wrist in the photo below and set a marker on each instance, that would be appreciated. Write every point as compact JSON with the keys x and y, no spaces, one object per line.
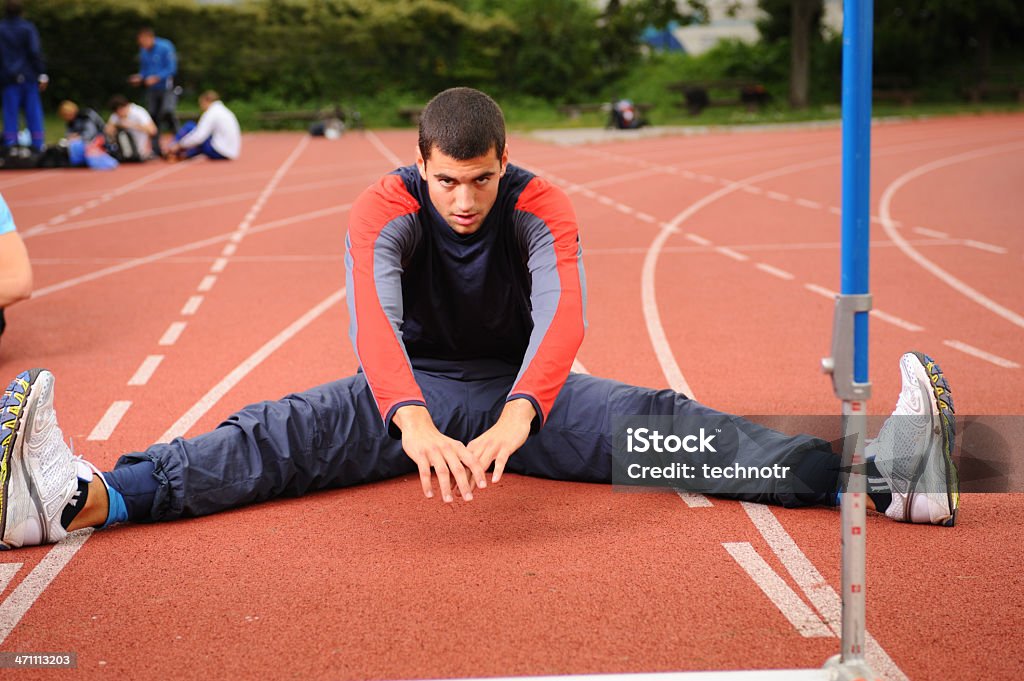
{"x":519,"y":410}
{"x":412,"y":417}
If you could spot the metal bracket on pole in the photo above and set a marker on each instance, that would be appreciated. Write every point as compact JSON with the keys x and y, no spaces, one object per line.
{"x":840,"y":363}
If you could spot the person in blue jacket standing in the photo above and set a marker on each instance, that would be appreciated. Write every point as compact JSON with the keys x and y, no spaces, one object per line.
{"x":158,"y":64}
{"x":22,"y":75}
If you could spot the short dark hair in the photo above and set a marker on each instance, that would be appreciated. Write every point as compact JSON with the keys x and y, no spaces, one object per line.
{"x":14,"y":8}
{"x":148,"y":30}
{"x":462,"y":123}
{"x":117,"y":101}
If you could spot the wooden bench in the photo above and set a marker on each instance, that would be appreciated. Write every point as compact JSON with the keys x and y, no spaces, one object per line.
{"x":349,"y":117}
{"x":979,"y":92}
{"x":887,"y":88}
{"x":697,"y":96}
{"x":411,"y":113}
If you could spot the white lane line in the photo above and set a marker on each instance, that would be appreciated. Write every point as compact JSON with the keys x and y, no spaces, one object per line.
{"x":646,"y":217}
{"x":835,"y":210}
{"x":981,"y":354}
{"x":711,"y":179}
{"x":896,"y":321}
{"x":195,"y":245}
{"x":145,"y":370}
{"x":982,"y":246}
{"x":793,"y":608}
{"x":751,"y":189}
{"x":649,"y":296}
{"x":172,"y":333}
{"x":219,"y":264}
{"x":694,"y":500}
{"x":930,"y":232}
{"x":697,"y":239}
{"x":605,"y":200}
{"x":774,"y":271}
{"x":191,"y":305}
{"x":578,"y":368}
{"x":388,"y":154}
{"x":31,"y":588}
{"x":885,"y":208}
{"x":821,"y":291}
{"x":818,"y":591}
{"x":623,"y":208}
{"x":778,"y":196}
{"x":207,"y":283}
{"x":7,"y":572}
{"x":807,"y":203}
{"x":214,"y":394}
{"x":108,"y":422}
{"x":735,"y":255}
{"x":29,"y":177}
{"x":229,"y":249}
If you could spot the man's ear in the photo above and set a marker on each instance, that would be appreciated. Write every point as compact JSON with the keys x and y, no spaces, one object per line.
{"x":421,"y":163}
{"x":504,"y":159}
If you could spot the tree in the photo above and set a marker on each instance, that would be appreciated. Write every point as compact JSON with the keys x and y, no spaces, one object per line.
{"x":801,"y":20}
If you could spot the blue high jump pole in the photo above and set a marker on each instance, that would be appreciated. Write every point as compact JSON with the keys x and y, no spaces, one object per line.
{"x":848,"y":364}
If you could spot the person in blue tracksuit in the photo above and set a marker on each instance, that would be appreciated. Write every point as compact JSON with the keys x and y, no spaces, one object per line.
{"x":466,"y":295}
{"x":158,"y":65}
{"x":22,"y":75}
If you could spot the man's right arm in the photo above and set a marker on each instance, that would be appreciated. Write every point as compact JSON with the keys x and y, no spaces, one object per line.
{"x":382,"y":234}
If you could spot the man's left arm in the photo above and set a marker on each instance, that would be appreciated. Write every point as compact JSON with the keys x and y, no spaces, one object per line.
{"x":547,"y":226}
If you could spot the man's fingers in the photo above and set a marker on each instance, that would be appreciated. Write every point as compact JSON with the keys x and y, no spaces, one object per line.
{"x":459,"y":471}
{"x":499,"y":466}
{"x":443,"y":481}
{"x":424,"y":467}
{"x":475,"y":463}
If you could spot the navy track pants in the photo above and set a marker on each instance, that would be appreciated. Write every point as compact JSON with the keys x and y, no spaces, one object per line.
{"x":333,"y":436}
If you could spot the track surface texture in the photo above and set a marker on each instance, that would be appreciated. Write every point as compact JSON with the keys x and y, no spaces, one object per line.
{"x":169,"y":296}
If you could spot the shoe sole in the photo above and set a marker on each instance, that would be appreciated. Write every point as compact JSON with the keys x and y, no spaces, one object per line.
{"x":13,"y":409}
{"x":942,"y":402}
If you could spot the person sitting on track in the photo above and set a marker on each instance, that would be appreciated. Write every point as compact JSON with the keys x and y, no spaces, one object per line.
{"x":466,"y":295}
{"x":217,"y":134}
{"x":131,"y":129}
{"x":15,"y":268}
{"x":84,"y":124}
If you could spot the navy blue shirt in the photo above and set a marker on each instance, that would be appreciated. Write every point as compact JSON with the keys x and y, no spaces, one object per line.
{"x":21,"y":56}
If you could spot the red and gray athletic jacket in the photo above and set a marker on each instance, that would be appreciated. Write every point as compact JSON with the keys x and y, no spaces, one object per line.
{"x":511,"y":294}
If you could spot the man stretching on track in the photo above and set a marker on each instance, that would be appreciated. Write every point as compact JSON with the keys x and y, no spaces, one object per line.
{"x":466,"y":298}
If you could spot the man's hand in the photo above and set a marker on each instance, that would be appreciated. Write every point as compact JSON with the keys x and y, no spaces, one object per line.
{"x":501,"y":440}
{"x":152,"y":80}
{"x":135,"y":79}
{"x":429,"y":448}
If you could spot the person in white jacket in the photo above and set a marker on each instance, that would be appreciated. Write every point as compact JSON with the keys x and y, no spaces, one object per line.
{"x":216,"y":135}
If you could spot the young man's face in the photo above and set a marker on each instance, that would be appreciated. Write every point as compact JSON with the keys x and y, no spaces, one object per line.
{"x":146,"y":40}
{"x":463,"y":192}
{"x":122,"y":111}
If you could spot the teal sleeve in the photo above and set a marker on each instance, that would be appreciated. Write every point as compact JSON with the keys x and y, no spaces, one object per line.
{"x":6,"y":219}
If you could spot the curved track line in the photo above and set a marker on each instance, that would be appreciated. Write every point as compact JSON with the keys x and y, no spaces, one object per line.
{"x":655,"y":329}
{"x":912,"y":253}
{"x":383,"y":149}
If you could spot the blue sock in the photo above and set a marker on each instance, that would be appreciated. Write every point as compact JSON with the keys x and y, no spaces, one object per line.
{"x":117,"y":512}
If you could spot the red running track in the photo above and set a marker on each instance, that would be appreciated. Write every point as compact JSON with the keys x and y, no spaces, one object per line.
{"x":724,"y":246}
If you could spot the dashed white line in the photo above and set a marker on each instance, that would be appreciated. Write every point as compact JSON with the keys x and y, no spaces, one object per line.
{"x":981,"y":354}
{"x":646,"y":217}
{"x":803,"y":619}
{"x":807,"y":203}
{"x":821,"y":291}
{"x":606,"y":200}
{"x":982,"y":246}
{"x":777,"y":196}
{"x":735,"y":255}
{"x":896,"y":321}
{"x":697,"y":239}
{"x":751,"y":189}
{"x":219,"y":264}
{"x":108,"y":422}
{"x":707,"y":178}
{"x":774,"y":271}
{"x":229,"y":249}
{"x":207,"y":283}
{"x":172,"y":333}
{"x":835,"y":210}
{"x":207,"y":401}
{"x":145,"y":370}
{"x":930,"y":232}
{"x":623,"y":208}
{"x":694,"y":500}
{"x":191,"y":305}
